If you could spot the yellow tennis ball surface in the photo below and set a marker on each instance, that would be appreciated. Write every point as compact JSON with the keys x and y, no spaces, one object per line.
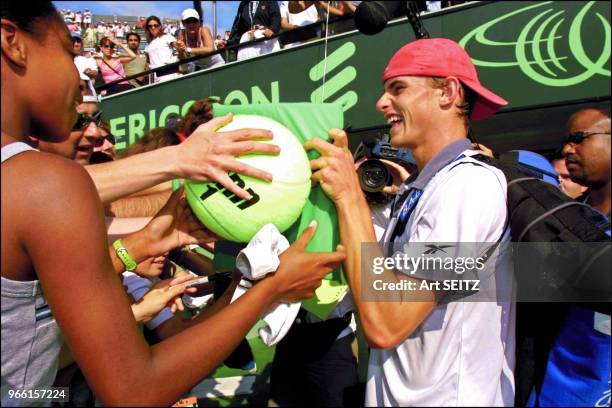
{"x":279,"y":202}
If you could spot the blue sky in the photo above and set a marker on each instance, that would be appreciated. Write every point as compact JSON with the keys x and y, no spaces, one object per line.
{"x":226,"y":10}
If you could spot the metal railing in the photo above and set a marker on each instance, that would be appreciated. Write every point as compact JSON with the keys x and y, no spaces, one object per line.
{"x":229,"y":53}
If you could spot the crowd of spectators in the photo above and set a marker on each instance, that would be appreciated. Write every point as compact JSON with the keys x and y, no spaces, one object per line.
{"x":161,"y":43}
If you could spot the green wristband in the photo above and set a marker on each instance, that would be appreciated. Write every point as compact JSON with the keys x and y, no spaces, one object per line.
{"x":125,"y":257}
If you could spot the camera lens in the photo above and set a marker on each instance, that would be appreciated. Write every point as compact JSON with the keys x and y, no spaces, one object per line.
{"x":373,"y":176}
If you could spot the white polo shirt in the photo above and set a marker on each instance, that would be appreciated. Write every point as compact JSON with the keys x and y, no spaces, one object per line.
{"x":160,"y":51}
{"x":463,"y":352}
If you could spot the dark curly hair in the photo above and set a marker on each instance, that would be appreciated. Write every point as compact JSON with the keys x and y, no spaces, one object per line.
{"x":200,"y":112}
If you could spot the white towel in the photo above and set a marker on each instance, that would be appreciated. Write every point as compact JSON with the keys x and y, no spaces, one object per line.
{"x":258,"y":259}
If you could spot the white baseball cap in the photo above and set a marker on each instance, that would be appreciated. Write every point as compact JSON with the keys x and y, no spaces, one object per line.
{"x":189,"y":13}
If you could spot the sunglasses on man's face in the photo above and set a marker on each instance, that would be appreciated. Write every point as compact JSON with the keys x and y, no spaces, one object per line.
{"x":84,"y":120}
{"x":579,"y":137}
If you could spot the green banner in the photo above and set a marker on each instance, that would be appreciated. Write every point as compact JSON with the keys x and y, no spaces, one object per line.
{"x":531,"y":53}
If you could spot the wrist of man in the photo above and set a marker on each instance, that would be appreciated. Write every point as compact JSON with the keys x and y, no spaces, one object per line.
{"x":352,"y":200}
{"x":171,"y":165}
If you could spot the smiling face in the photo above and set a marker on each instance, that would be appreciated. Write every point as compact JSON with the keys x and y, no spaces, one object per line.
{"x":90,"y":135}
{"x":407,"y":104}
{"x":151,"y":266}
{"x":191,"y":25}
{"x":588,"y":162}
{"x":80,"y":143}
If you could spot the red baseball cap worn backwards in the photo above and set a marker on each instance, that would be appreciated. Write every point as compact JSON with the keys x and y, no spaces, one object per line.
{"x":441,"y":57}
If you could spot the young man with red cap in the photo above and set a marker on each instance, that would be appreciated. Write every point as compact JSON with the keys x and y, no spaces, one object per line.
{"x":430,"y":347}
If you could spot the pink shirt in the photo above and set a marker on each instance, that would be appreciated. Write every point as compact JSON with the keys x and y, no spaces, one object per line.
{"x":108,"y":75}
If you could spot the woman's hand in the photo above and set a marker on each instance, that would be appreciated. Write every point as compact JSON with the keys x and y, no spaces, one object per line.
{"x":301,"y":272}
{"x":166,"y":293}
{"x":180,"y":45}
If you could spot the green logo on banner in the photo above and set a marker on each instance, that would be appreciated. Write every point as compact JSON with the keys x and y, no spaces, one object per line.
{"x":549,"y":48}
{"x":338,"y":81}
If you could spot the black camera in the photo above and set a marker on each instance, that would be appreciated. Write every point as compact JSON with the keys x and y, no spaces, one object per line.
{"x":374,"y":174}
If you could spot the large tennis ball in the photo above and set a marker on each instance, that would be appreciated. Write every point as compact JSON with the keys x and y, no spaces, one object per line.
{"x":279,"y":202}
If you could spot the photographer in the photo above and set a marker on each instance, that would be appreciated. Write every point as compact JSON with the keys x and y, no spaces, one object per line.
{"x":427,"y":350}
{"x":382,"y":168}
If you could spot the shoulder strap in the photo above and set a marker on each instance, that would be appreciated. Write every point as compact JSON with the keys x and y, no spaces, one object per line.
{"x":14,"y":149}
{"x":114,"y":70}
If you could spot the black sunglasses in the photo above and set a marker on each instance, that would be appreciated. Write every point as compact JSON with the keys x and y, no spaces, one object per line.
{"x":152,"y":25}
{"x":111,"y":138}
{"x":84,"y":120}
{"x":578,"y":137}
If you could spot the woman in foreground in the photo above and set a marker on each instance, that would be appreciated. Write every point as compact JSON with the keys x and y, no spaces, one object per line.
{"x":54,"y":248}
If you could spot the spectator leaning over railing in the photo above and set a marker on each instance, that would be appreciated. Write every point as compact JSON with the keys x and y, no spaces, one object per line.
{"x":111,"y":67}
{"x":138,"y":64}
{"x":256,"y":19}
{"x":328,"y":10}
{"x":196,"y":39}
{"x":161,"y":50}
{"x":290,"y":21}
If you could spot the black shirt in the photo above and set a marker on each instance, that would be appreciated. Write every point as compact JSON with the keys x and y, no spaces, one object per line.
{"x":267,"y":14}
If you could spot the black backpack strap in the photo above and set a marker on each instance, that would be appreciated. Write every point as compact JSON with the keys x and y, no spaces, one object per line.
{"x":519,"y":180}
{"x":583,"y":222}
{"x":547,"y":214}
